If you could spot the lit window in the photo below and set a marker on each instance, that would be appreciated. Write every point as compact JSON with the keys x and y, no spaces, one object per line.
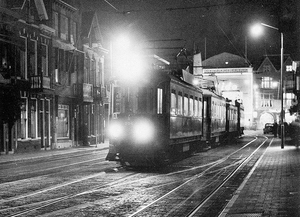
{"x":289,"y":68}
{"x":185,"y":106}
{"x":159,"y":100}
{"x":266,"y":82}
{"x":179,"y":105}
{"x":173,"y":103}
{"x":191,"y":112}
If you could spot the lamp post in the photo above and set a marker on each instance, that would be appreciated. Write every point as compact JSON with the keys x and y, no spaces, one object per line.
{"x":257,"y":30}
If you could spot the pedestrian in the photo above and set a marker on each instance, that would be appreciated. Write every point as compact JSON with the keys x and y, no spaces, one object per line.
{"x":275,"y":126}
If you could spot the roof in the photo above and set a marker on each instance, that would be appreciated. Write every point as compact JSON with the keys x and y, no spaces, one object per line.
{"x":275,"y":61}
{"x":87,"y":20}
{"x":225,"y":60}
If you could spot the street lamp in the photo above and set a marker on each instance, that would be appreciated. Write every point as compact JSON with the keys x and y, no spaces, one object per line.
{"x":256,"y":30}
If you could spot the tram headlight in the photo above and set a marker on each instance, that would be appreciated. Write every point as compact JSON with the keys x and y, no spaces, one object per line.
{"x":115,"y":130}
{"x":143,"y":131}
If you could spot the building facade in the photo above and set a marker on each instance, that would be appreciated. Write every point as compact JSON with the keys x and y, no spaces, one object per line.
{"x":25,"y":80}
{"x":267,"y":96}
{"x":52,"y":87}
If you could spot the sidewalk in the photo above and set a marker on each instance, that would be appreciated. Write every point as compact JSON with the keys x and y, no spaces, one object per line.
{"x":47,"y":153}
{"x":272,"y":188}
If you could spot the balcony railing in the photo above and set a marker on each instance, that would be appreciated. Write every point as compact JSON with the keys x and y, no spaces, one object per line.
{"x":289,"y":85}
{"x":99,"y":93}
{"x":39,"y":83}
{"x":84,"y":92}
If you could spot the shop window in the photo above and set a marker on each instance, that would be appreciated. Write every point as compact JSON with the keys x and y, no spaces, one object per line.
{"x":22,"y":122}
{"x":63,"y":121}
{"x":33,"y":118}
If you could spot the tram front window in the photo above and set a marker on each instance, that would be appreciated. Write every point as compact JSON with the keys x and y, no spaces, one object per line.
{"x":135,"y":100}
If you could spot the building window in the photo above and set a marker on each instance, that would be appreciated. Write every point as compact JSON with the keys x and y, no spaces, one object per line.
{"x":267,"y":100}
{"x":41,"y":116}
{"x":101,"y":75}
{"x":288,"y":98}
{"x":92,"y":120}
{"x":289,"y":68}
{"x":44,"y":59}
{"x":55,"y":23}
{"x":68,"y":62}
{"x":33,"y":118}
{"x":87,"y":68}
{"x":73,"y":37}
{"x":32,"y":52}
{"x":47,"y":122}
{"x":266,"y":82}
{"x":63,"y":121}
{"x":64,"y":27}
{"x":22,"y":122}
{"x":56,"y":65}
{"x":266,"y":69}
{"x":23,"y":63}
{"x":93,"y":73}
{"x":21,"y":60}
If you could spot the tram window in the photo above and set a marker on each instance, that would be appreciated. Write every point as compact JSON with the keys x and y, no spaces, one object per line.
{"x":150,"y":100}
{"x":191,"y":106}
{"x":179,"y":104}
{"x":200,"y":107}
{"x":205,"y":108}
{"x":185,"y":105}
{"x":117,"y":99}
{"x":159,"y":100}
{"x":196,"y":107}
{"x":142,"y":99}
{"x":173,"y":103}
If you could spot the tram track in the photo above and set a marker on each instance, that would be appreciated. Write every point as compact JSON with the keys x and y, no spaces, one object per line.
{"x":175,"y":209}
{"x":215,"y":191}
{"x":206,"y":170}
{"x":41,"y":204}
{"x":119,"y":183}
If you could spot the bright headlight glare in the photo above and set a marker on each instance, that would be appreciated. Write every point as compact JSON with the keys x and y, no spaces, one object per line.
{"x":143,"y":131}
{"x":115,"y":130}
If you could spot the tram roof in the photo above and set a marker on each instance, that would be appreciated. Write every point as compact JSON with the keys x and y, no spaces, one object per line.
{"x":207,"y":92}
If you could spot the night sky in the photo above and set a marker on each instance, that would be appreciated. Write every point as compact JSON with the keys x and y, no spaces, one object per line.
{"x":209,"y":26}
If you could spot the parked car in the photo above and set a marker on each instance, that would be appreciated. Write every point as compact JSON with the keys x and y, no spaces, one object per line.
{"x":268,"y":128}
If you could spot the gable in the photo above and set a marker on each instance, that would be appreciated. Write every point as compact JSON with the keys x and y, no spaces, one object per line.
{"x":267,"y":67}
{"x":90,"y":27}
